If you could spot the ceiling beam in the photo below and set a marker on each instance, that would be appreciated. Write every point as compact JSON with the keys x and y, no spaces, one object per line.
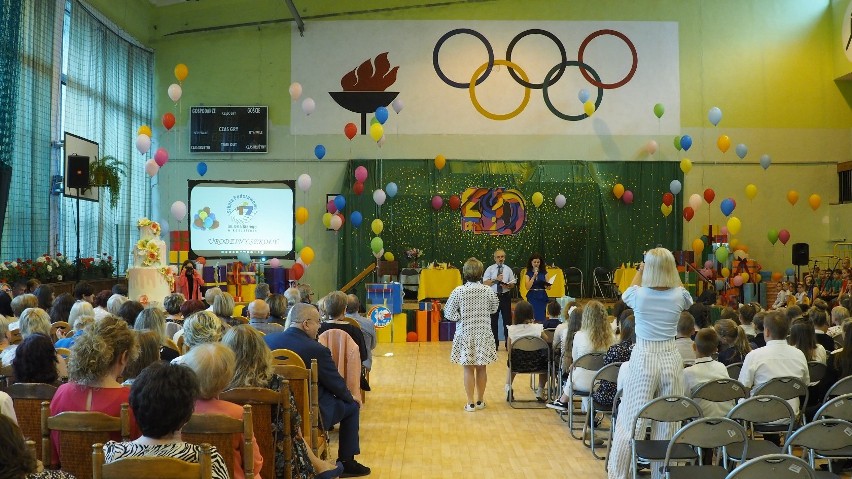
{"x":296,"y":17}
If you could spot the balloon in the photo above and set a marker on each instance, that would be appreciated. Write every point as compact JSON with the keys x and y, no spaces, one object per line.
{"x":751,"y":191}
{"x":537,"y":199}
{"x":378,"y":254}
{"x":304,"y":182}
{"x":814,"y":200}
{"x":202,"y":214}
{"x":297,"y":271}
{"x":308,"y":106}
{"x":440,"y":161}
{"x":181,"y":72}
{"x":784,"y":236}
{"x":178,"y":210}
{"x":792,"y":197}
{"x":355,"y":218}
{"x":358,"y":188}
{"x":738,"y":281}
{"x":772,"y":236}
{"x":765,"y":161}
{"x":437,"y":202}
{"x":391,"y":189}
{"x":274,"y":262}
{"x":734,"y":225}
{"x":659,"y":110}
{"x":350,"y":130}
{"x":789,"y":271}
{"x":627,"y":197}
{"x":697,"y":246}
{"x":161,"y":157}
{"x":379,"y":197}
{"x":339,"y":202}
{"x":723,"y":231}
{"x":295,"y":91}
{"x":725,"y":272}
{"x":455,"y":202}
{"x":688,"y":213}
{"x":708,"y":264}
{"x":144,"y":130}
{"x":722,"y":254}
{"x":301,"y":215}
{"x":686,"y":165}
{"x":745,"y":277}
{"x":589,"y":108}
{"x":201,"y":168}
{"x":695,"y":201}
{"x":583,"y":95}
{"x":168,"y":121}
{"x":243,"y":257}
{"x":361,"y":174}
{"x":326,"y":219}
{"x":666,"y":210}
{"x":382,"y":114}
{"x":651,"y":147}
{"x":175,"y":92}
{"x":727,"y":206}
{"x":685,"y":142}
{"x":381,"y":141}
{"x":675,"y":187}
{"x":376,"y":244}
{"x":143,"y":143}
{"x":377,"y":226}
{"x":668,"y":199}
{"x":776,"y":276}
{"x":299,"y":243}
{"x":389,"y":256}
{"x":201,"y":260}
{"x":709,"y":195}
{"x":733,"y":243}
{"x":723,"y":143}
{"x":397,"y":105}
{"x":335,"y":222}
{"x":319,"y":152}
{"x":714,"y":115}
{"x":677,"y":143}
{"x":618,"y":190}
{"x":377,"y":131}
{"x":559,"y":200}
{"x":741,"y":150}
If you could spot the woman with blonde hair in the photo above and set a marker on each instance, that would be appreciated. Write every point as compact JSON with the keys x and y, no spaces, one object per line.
{"x":223,"y":306}
{"x":34,"y":321}
{"x":733,"y":342}
{"x":154,"y":320}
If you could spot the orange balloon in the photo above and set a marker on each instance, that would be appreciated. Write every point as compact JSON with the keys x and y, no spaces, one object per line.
{"x":793,"y":197}
{"x":181,"y":72}
{"x":814,"y":200}
{"x":618,"y":190}
{"x":440,"y":162}
{"x":723,"y":143}
{"x":776,"y":276}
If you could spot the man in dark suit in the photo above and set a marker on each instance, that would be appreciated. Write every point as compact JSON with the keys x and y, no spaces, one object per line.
{"x":336,"y":403}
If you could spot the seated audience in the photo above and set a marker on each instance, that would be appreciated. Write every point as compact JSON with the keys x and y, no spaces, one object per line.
{"x":335,"y":307}
{"x":792,"y":313}
{"x":78,"y":327}
{"x":277,"y":308}
{"x":553,"y":310}
{"x":701,"y":313}
{"x":19,"y":287}
{"x":100,"y":304}
{"x":223,"y":306}
{"x":293,"y":295}
{"x":353,"y":307}
{"x":149,"y":353}
{"x":84,"y":291}
{"x":210,"y":296}
{"x":6,"y":306}
{"x":683,"y":339}
{"x":759,"y":339}
{"x":306,"y":293}
{"x":201,"y":328}
{"x":261,"y":292}
{"x":33,"y":321}
{"x":174,"y":319}
{"x":617,"y":353}
{"x":115,"y":302}
{"x":154,"y":319}
{"x":803,"y":337}
{"x":563,"y":338}
{"x":32,"y":285}
{"x":733,"y":343}
{"x":16,"y":460}
{"x":819,"y":319}
{"x":746,"y":319}
{"x":7,"y":408}
{"x":4,"y":331}
{"x":162,"y":399}
{"x":524,"y":324}
{"x":120,"y":289}
{"x":259,"y":317}
{"x":60,"y":310}
{"x":802,"y":297}
{"x":45,"y":296}
{"x":36,"y":361}
{"x":129,"y":310}
{"x":22,"y":302}
{"x":839,"y":315}
{"x":783,"y":295}
{"x":704,"y":370}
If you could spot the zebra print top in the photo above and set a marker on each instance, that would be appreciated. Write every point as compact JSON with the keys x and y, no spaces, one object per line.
{"x":114,"y":451}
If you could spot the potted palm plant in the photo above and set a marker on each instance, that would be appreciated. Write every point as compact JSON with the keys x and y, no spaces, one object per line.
{"x":107,"y":173}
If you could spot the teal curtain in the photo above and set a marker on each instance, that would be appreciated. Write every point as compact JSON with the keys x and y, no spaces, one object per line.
{"x":109,"y":95}
{"x":10,"y":15}
{"x":594,"y":229}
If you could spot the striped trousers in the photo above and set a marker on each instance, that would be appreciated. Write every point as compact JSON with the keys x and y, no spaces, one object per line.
{"x":656,"y":369}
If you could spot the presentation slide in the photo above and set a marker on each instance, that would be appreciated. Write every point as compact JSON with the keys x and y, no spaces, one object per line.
{"x":231,"y":217}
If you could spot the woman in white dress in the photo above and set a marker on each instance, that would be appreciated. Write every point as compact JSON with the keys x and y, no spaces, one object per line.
{"x":472,"y":305}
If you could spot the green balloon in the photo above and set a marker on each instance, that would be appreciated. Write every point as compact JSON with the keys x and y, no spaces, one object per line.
{"x":722,"y":254}
{"x":676,"y":142}
{"x":300,"y":243}
{"x":377,"y":244}
{"x":373,"y":121}
{"x":659,"y":109}
{"x":772,"y":236}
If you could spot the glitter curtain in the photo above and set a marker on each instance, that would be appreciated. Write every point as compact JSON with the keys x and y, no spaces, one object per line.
{"x":593,"y":229}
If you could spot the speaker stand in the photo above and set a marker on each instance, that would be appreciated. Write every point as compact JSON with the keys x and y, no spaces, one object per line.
{"x":77,"y":269}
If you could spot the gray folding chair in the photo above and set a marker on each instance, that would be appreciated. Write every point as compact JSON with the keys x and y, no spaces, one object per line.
{"x":788,"y":388}
{"x":754,"y":412}
{"x":606,"y":373}
{"x":775,"y":466}
{"x":574,"y":277}
{"x":705,"y":433}
{"x":734,"y":370}
{"x":824,"y":439}
{"x":591,"y":362}
{"x":720,"y":390}
{"x":837,"y":408}
{"x":844,"y":386}
{"x":673,"y":409}
{"x":604,"y":285}
{"x":532,"y":345}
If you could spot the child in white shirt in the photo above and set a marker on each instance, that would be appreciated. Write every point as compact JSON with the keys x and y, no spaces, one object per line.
{"x":706,"y":369}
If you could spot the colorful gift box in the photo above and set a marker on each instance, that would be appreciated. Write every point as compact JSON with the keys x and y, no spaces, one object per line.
{"x":422,"y":326}
{"x":208,"y":274}
{"x":278,"y":279}
{"x":179,"y":240}
{"x":242,"y":293}
{"x":385,"y":335}
{"x":239,"y":273}
{"x":389,"y":294}
{"x":178,"y":257}
{"x":425,"y":305}
{"x":399,"y":327}
{"x":446,"y":330}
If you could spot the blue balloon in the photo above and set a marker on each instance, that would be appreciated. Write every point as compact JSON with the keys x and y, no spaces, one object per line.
{"x":741,"y":150}
{"x":789,"y":272}
{"x":685,"y":142}
{"x":208,"y":222}
{"x":382,"y":114}
{"x":714,"y":115}
{"x":727,"y":206}
{"x":765,"y":161}
{"x":319,"y":151}
{"x":339,"y":202}
{"x":355,"y":218}
{"x":244,"y":257}
{"x":201,"y":168}
{"x":391,"y":189}
{"x":583,"y":95}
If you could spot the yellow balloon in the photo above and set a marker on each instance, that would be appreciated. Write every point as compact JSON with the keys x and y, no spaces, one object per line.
{"x":326,"y":220}
{"x":745,"y":277}
{"x":733,"y":243}
{"x":697,"y":246}
{"x":144,"y":130}
{"x":181,"y":72}
{"x":307,"y":254}
{"x":734,"y":225}
{"x":814,"y":201}
{"x":726,"y":272}
{"x":751,"y":191}
{"x":723,"y":143}
{"x":618,"y":190}
{"x":377,"y":131}
{"x":793,"y":197}
{"x":537,"y":199}
{"x":589,"y":107}
{"x":667,"y":210}
{"x":301,"y":215}
{"x":440,"y":162}
{"x":377,"y":226}
{"x":202,"y":215}
{"x":685,"y":165}
{"x":388,"y":256}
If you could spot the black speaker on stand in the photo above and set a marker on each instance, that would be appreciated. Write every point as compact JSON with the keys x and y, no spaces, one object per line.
{"x":77,"y":177}
{"x":801,"y":256}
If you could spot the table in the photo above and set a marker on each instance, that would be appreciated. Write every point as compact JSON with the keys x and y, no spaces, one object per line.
{"x":624,"y":278}
{"x":557,"y":290}
{"x":438,"y":283}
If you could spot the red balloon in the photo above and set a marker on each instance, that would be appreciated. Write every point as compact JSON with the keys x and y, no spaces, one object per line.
{"x":201,"y":260}
{"x":668,"y":199}
{"x":358,"y":188}
{"x":709,"y":195}
{"x":455,"y":202}
{"x":168,"y":121}
{"x":330,"y":207}
{"x":350,"y":130}
{"x":297,"y":271}
{"x":688,"y":213}
{"x":411,"y":337}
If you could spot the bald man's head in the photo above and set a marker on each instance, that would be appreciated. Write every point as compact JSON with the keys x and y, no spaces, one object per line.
{"x":258,"y":309}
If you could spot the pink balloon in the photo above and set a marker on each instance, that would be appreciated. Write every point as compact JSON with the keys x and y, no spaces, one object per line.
{"x":784,"y":236}
{"x":437,"y":202}
{"x":151,"y":168}
{"x":361,"y":174}
{"x":708,"y":264}
{"x":723,"y":230}
{"x":274,"y":262}
{"x":738,"y":280}
{"x":330,"y":206}
{"x":627,"y":197}
{"x":161,"y":157}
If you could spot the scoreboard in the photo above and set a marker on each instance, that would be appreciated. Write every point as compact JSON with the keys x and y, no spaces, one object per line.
{"x":228,"y":129}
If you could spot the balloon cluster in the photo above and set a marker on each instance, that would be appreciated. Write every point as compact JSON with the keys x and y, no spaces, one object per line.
{"x":143,"y":135}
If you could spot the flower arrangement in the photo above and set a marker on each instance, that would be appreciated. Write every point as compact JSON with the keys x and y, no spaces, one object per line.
{"x":413,"y":254}
{"x":149,"y":250}
{"x":47,"y":268}
{"x":155,"y":227}
{"x":168,"y":275}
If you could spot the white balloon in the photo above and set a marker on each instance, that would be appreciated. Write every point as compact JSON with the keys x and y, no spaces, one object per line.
{"x":695,"y":201}
{"x":178,"y":210}
{"x":379,"y":254}
{"x":381,"y":141}
{"x":335,"y":222}
{"x":308,"y":106}
{"x":304,"y":182}
{"x":397,"y":105}
{"x":151,"y":167}
{"x":175,"y":92}
{"x":675,"y":187}
{"x":651,"y":147}
{"x":295,"y":91}
{"x":379,"y":197}
{"x":560,"y":200}
{"x":143,"y":143}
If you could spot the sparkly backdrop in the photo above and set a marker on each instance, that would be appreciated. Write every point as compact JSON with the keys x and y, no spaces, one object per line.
{"x":593,"y":229}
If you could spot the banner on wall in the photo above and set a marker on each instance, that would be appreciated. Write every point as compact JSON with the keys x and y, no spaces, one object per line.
{"x":493,"y":211}
{"x":489,"y":77}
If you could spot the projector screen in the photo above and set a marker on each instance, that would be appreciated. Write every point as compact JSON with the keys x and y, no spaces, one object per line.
{"x":231,"y":217}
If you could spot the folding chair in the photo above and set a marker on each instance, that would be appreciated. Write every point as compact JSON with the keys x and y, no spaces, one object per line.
{"x":606,"y":373}
{"x":63,"y":325}
{"x":837,"y":408}
{"x":529,"y":355}
{"x":613,"y":418}
{"x":824,"y":439}
{"x":27,"y":398}
{"x":734,"y":370}
{"x":844,"y":386}
{"x":816,"y":371}
{"x":219,"y":430}
{"x":604,"y":285}
{"x":591,"y":362}
{"x":787,"y":388}
{"x":574,"y":277}
{"x":720,"y":390}
{"x":147,"y":467}
{"x":776,"y":466}
{"x":64,"y":352}
{"x":704,"y":433}
{"x":671,"y":409}
{"x":756,"y":411}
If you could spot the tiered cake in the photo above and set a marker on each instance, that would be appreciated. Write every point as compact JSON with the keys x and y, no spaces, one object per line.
{"x":150,"y":278}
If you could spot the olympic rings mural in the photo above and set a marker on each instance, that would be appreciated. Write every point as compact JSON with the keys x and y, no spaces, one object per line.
{"x":481,"y":73}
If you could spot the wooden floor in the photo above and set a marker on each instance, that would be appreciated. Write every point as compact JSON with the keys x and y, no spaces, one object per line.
{"x":414,"y":425}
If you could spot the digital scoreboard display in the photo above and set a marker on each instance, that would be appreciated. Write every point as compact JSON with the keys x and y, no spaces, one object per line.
{"x":228,"y":129}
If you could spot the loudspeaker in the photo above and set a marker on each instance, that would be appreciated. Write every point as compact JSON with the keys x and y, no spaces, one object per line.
{"x":77,"y":172}
{"x":801,"y":254}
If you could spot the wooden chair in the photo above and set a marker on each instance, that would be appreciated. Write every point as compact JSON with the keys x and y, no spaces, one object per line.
{"x":266,"y":404}
{"x":171,"y":345}
{"x":15,"y":336}
{"x":286,"y":357}
{"x":78,"y":430}
{"x":304,"y":383}
{"x":181,"y":345}
{"x":27,"y":398}
{"x":63,"y":325}
{"x":7,"y":377}
{"x":241,"y":319}
{"x":219,"y":430}
{"x":353,"y":322}
{"x":147,"y":467}
{"x":64,"y":352}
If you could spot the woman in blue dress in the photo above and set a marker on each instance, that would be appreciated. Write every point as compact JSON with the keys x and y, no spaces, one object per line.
{"x":536,"y":283}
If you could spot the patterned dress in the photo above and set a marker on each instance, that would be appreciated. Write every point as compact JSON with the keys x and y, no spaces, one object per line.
{"x":114,"y":451}
{"x":472,"y":305}
{"x":617,"y":353}
{"x":302,"y":467}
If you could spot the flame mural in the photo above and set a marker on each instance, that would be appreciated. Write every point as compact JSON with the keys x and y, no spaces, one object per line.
{"x":364,"y":88}
{"x":493,"y":211}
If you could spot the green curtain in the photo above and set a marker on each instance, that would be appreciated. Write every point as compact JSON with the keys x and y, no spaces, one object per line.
{"x":594,"y":229}
{"x":10,"y":15}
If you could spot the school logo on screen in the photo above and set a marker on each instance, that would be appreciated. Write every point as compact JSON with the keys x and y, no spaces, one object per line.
{"x":242,"y":208}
